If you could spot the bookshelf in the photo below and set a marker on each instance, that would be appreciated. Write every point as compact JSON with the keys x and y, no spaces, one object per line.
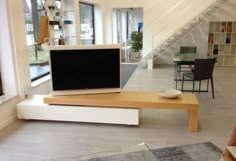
{"x":222,"y":42}
{"x":60,"y":23}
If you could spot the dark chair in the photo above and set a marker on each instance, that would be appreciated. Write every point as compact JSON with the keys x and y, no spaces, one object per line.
{"x":203,"y":70}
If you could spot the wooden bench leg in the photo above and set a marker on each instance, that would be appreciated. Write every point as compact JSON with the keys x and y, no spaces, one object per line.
{"x":193,"y":120}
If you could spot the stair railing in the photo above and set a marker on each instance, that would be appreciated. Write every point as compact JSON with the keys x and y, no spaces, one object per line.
{"x":196,"y":18}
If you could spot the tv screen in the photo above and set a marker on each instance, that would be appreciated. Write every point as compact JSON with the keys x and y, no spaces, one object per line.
{"x":81,"y":70}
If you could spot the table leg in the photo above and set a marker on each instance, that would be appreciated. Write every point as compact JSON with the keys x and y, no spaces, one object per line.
{"x":193,"y":120}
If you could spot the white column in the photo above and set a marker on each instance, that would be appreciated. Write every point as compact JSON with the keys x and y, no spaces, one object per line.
{"x":13,"y":51}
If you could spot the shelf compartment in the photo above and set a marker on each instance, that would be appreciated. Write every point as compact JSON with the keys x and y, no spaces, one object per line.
{"x":233,"y":50}
{"x":229,"y":60}
{"x":229,"y":27}
{"x":223,"y":26}
{"x":234,"y":27}
{"x":220,"y":60}
{"x":221,"y":49}
{"x":227,"y":49}
{"x":216,"y":49}
{"x":217,"y":27}
{"x":210,"y":49}
{"x":228,"y":38}
{"x":212,"y":27}
{"x":233,"y":38}
{"x":210,"y":38}
{"x":219,"y":38}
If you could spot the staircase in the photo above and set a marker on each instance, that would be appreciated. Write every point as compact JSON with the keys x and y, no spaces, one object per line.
{"x":170,"y":40}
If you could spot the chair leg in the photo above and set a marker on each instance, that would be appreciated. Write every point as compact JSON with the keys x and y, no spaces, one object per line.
{"x":182,"y":88}
{"x":212,"y":88}
{"x":175,"y":75}
{"x":176,"y":84}
{"x":200,"y":82}
{"x":193,"y":86}
{"x":207,"y":85}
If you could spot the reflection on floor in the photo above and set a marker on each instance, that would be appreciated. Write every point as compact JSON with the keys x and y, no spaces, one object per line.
{"x":37,"y":70}
{"x":126,"y":71}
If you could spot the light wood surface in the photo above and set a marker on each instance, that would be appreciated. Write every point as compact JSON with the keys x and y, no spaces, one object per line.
{"x":127,"y":99}
{"x":227,"y":156}
{"x":229,"y":153}
{"x":134,"y":99}
{"x":232,"y":150}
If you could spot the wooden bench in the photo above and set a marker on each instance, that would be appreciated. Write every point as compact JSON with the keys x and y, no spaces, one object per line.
{"x":133,"y":99}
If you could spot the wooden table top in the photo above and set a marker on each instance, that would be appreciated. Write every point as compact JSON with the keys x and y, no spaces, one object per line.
{"x":127,"y":99}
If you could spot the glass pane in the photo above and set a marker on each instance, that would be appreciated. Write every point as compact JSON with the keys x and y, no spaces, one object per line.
{"x":127,"y":26}
{"x":37,"y":53}
{"x":86,"y":23}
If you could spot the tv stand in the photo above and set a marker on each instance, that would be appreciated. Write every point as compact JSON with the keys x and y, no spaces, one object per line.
{"x":114,"y":108}
{"x":33,"y":108}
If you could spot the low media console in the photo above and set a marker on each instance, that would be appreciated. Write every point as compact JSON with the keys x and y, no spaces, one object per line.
{"x":114,"y":108}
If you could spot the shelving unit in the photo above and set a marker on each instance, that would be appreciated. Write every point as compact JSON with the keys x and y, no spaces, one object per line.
{"x":222,"y":42}
{"x":61,"y":26}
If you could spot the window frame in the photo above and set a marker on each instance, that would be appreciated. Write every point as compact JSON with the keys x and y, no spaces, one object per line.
{"x":93,"y":16}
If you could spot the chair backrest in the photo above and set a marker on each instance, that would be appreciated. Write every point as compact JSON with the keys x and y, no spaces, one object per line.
{"x":203,"y":68}
{"x":188,"y":50}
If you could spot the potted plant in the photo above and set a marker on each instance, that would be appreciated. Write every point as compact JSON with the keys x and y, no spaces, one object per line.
{"x":136,"y":41}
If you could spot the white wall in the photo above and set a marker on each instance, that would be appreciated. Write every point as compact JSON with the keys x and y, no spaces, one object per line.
{"x":13,"y":57}
{"x":199,"y":35}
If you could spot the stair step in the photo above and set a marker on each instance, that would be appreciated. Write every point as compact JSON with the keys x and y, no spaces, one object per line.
{"x":177,"y":35}
{"x":161,"y":49}
{"x":171,"y":41}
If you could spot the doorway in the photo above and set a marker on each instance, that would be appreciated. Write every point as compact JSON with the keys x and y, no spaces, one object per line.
{"x":125,"y":21}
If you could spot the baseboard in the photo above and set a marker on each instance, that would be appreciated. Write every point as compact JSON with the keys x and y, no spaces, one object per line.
{"x":7,"y":122}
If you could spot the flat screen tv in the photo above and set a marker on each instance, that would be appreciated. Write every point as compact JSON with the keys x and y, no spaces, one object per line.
{"x":85,"y":69}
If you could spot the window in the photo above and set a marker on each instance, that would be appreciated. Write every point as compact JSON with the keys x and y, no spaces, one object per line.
{"x":37,"y":53}
{"x":87,"y":35}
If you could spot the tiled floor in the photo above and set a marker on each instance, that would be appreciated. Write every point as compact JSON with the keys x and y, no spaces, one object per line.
{"x":38,"y":140}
